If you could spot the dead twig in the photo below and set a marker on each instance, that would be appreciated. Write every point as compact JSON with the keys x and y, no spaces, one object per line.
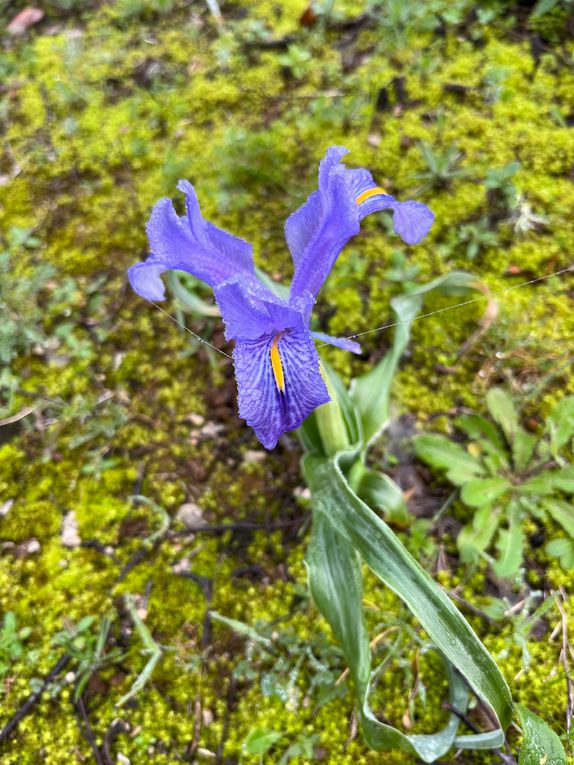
{"x":33,"y":699}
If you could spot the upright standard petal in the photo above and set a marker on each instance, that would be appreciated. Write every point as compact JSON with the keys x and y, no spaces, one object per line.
{"x":188,"y":243}
{"x":279,"y":382}
{"x":317,"y":232}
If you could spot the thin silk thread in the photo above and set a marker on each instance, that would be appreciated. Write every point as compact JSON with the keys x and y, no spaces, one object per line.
{"x":193,"y":334}
{"x":478,"y":299}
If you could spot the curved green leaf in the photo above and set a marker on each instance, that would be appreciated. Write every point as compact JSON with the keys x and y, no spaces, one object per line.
{"x":483,"y":491}
{"x":383,"y":552}
{"x":336,"y":582}
{"x":441,"y":452}
{"x":541,"y":745}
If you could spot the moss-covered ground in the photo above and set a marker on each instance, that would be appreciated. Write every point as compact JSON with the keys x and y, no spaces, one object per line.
{"x":124,"y":468}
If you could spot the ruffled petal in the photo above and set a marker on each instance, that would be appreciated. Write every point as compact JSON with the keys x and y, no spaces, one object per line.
{"x":412,"y":220}
{"x":267,"y":409}
{"x":339,"y":342}
{"x":188,"y":243}
{"x":145,"y":279}
{"x":317,"y":231}
{"x":250,"y":310}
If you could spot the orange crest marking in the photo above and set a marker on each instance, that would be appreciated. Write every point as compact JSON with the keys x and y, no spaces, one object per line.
{"x":370,"y":193}
{"x":276,"y":365}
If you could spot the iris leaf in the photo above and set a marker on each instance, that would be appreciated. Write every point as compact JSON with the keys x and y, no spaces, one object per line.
{"x":333,"y":565}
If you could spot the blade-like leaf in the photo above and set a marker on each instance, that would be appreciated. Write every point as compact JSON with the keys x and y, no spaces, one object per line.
{"x":440,"y":452}
{"x":510,"y":544}
{"x":541,"y":746}
{"x":562,"y":512}
{"x":483,"y":491}
{"x":335,"y":580}
{"x":383,"y":552}
{"x":501,"y":408}
{"x":561,"y":423}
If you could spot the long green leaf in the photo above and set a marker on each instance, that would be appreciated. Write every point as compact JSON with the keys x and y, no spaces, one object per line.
{"x":335,"y":580}
{"x":383,"y":552}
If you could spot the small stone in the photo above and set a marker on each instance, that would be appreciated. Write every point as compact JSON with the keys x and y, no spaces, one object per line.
{"x":252,"y":455}
{"x":206,"y":753}
{"x":121,"y":759}
{"x":196,"y":419}
{"x":70,"y":536}
{"x":190,"y":514}
{"x":302,"y":492}
{"x":26,"y":18}
{"x":6,"y":507}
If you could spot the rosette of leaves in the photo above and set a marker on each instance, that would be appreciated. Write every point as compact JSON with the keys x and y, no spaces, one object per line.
{"x":507,"y":474}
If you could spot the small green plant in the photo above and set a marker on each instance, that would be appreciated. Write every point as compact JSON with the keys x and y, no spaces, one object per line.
{"x":20,"y":310}
{"x":477,"y":237}
{"x":260,"y":741}
{"x":442,"y":167}
{"x":505,"y":475}
{"x":12,"y":641}
{"x":87,"y":649}
{"x":500,"y":189}
{"x":297,"y":61}
{"x":287,"y":665}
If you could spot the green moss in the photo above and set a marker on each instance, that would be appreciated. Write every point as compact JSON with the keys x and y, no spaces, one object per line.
{"x":103,"y":123}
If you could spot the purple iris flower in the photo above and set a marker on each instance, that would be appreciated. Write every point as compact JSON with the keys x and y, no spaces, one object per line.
{"x":276,"y":364}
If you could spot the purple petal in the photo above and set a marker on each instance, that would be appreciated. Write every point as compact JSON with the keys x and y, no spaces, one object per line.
{"x":340,"y":342}
{"x":412,"y":221}
{"x":262,"y":405}
{"x":191,"y":244}
{"x":145,"y":279}
{"x":250,"y":310}
{"x":317,"y":232}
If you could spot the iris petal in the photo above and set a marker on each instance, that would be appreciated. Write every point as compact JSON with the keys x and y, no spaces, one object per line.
{"x":250,"y":310}
{"x":262,"y":405}
{"x":412,"y":221}
{"x":339,"y":342}
{"x":191,"y":244}
{"x":317,"y":231}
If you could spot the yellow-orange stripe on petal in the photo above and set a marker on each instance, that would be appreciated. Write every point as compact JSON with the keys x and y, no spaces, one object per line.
{"x":370,"y":193}
{"x":276,"y":365}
